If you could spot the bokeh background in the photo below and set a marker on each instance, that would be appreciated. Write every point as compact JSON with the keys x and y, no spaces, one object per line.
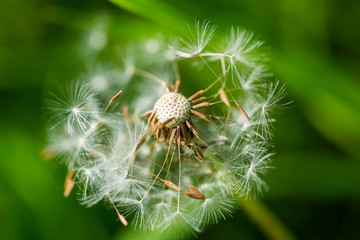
{"x":314,"y":45}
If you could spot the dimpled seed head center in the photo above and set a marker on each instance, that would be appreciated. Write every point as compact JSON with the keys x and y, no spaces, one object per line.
{"x":172,"y":105}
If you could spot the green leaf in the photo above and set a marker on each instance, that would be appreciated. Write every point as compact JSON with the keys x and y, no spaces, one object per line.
{"x":158,"y":11}
{"x":265,"y":220}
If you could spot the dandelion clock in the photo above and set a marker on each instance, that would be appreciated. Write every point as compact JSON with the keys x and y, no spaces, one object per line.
{"x":174,"y":135}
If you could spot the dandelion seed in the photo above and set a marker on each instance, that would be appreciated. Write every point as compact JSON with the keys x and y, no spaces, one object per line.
{"x":76,"y":105}
{"x":241,"y":46}
{"x":212,"y":209}
{"x":196,"y":42}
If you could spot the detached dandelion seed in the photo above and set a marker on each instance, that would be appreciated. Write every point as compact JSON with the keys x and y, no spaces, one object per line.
{"x":184,"y":159}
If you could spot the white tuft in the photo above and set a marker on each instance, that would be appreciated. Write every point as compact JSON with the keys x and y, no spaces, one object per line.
{"x":196,"y":41}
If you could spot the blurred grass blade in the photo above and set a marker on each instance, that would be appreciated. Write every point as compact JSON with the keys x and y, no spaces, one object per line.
{"x":174,"y":234}
{"x":265,"y":220}
{"x":158,"y":11}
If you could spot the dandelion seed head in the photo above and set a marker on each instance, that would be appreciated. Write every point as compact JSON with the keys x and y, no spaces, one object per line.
{"x":155,"y":156}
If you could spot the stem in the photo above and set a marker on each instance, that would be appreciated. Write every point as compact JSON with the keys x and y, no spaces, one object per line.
{"x":214,"y":54}
{"x":143,"y":73}
{"x":265,"y":220}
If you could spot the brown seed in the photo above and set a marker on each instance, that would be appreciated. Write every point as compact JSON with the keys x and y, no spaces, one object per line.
{"x":223,"y":97}
{"x":166,"y":122}
{"x":69,"y":183}
{"x":184,"y":133}
{"x":191,"y":128}
{"x":194,"y":193}
{"x":178,"y":136}
{"x":116,"y":96}
{"x":122,"y":219}
{"x":242,"y":111}
{"x":197,"y":152}
{"x":147,"y":113}
{"x":200,"y":105}
{"x":165,"y":133}
{"x":154,"y":127}
{"x":172,"y":185}
{"x":199,"y":100}
{"x":196,"y":95}
{"x":177,"y":85}
{"x":153,"y":122}
{"x":172,"y":136}
{"x":200,"y":115}
{"x":152,"y":116}
{"x":127,"y":115}
{"x":158,"y":133}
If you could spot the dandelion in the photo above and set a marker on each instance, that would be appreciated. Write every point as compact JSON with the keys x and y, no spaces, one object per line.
{"x":164,"y":160}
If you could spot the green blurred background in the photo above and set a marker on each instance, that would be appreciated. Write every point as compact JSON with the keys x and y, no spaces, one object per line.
{"x":315,"y":51}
